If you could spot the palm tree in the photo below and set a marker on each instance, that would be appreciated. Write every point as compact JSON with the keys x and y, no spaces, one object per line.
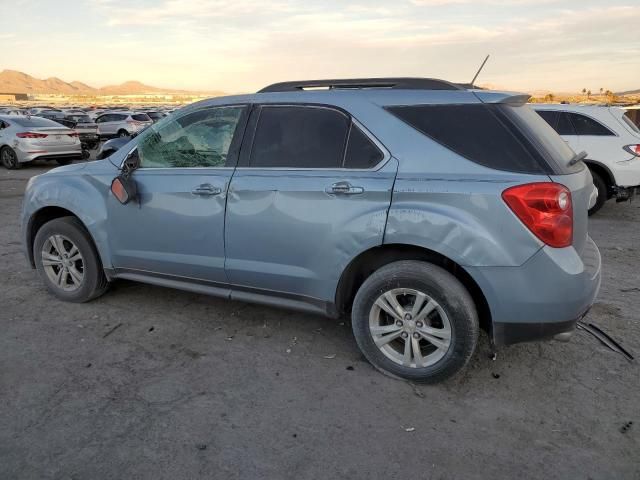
{"x":601,"y":89}
{"x":588,"y":93}
{"x":584,"y":91}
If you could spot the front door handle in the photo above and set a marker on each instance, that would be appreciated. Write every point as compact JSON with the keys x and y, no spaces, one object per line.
{"x":206,"y":189}
{"x":343,"y":188}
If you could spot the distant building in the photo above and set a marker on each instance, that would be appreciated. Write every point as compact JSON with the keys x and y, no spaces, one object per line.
{"x":13,"y":97}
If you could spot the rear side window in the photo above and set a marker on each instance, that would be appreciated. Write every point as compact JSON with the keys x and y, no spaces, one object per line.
{"x":550,"y":117}
{"x":481,"y":133}
{"x":141,"y":117}
{"x":361,"y":151}
{"x":588,"y":126}
{"x":299,"y":137}
{"x":565,"y":127}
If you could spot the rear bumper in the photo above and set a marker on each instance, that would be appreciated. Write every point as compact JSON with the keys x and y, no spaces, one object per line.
{"x":542,"y":298}
{"x":49,"y":153}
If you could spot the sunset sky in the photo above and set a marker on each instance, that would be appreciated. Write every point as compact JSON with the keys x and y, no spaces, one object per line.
{"x":242,"y":45}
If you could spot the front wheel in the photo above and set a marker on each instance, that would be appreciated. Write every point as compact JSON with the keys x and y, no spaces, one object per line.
{"x":68,"y":262}
{"x":415,"y":321}
{"x":9,"y":158}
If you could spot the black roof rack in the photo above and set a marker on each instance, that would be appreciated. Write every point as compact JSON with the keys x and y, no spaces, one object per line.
{"x":356,"y":83}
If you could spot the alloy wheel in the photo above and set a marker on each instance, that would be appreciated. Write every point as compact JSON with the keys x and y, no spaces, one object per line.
{"x":9,"y":159}
{"x":63,"y":263}
{"x":410,"y":328}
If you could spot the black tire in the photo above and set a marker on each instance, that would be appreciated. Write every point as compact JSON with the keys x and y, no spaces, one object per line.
{"x":94,"y":282}
{"x":444,"y":289}
{"x":64,"y":161}
{"x":603,"y":192}
{"x":9,"y":158}
{"x":123,"y":133}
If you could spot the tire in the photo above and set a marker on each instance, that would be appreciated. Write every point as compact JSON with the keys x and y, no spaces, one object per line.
{"x":123,"y":133}
{"x":448,"y":302}
{"x":71,"y":232}
{"x":64,"y":161}
{"x":9,"y":158}
{"x":603,"y":192}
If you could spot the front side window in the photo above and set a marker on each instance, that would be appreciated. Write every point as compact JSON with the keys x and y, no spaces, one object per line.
{"x":299,"y":137}
{"x":588,"y":126}
{"x":198,"y":139}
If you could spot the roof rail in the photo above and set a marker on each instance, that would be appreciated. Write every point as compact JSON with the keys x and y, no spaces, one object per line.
{"x":357,"y":83}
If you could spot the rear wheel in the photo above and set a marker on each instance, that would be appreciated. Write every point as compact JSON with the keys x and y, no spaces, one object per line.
{"x":123,"y":133}
{"x":68,"y":262}
{"x":63,"y":161}
{"x":603,"y":192}
{"x":416,"y":321}
{"x":9,"y":158}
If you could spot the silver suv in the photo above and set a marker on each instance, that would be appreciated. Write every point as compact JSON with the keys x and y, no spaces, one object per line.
{"x":121,"y":124}
{"x":421,"y":210}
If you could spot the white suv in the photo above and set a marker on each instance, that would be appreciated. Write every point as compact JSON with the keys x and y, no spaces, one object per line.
{"x":612,"y":143}
{"x":121,"y":124}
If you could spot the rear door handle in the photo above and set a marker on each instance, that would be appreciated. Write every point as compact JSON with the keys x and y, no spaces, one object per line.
{"x":206,"y":189}
{"x":343,"y":188}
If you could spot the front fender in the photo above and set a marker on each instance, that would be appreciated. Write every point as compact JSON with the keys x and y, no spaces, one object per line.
{"x":83,"y":192}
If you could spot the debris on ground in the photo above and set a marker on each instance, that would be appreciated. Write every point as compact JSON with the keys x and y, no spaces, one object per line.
{"x":329,"y":357}
{"x":416,"y":390}
{"x":495,"y":375}
{"x":409,"y":429}
{"x":626,"y":427}
{"x":112,"y":330}
{"x":201,"y":446}
{"x":605,"y":339}
{"x":350,"y":368}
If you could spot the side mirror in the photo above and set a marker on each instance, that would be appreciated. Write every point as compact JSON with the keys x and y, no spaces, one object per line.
{"x":132,"y":162}
{"x":124,"y":188}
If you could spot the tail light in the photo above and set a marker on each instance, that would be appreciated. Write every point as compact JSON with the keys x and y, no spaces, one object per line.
{"x":31,"y":135}
{"x":73,"y":134}
{"x":546,"y":209}
{"x":633,"y":149}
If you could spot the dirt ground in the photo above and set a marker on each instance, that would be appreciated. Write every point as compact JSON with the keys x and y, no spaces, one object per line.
{"x":152,"y":383}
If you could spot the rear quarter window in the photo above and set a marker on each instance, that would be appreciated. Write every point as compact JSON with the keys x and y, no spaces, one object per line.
{"x":141,"y":117}
{"x":481,"y":133}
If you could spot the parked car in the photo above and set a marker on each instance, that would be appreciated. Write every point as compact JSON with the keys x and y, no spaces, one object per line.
{"x":155,"y":116}
{"x":13,"y":111}
{"x":24,"y":139}
{"x":612,"y":143}
{"x":113,"y":145}
{"x":86,"y":128}
{"x":121,"y":124}
{"x":51,"y":114}
{"x":423,"y":210}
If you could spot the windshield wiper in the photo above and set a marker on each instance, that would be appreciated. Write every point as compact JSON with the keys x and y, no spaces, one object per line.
{"x":578,"y":157}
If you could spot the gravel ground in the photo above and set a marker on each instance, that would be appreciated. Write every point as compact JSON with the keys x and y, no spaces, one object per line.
{"x":152,"y":383}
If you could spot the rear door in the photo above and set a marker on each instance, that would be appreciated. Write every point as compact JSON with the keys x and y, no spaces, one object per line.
{"x":176,"y":229}
{"x":311,"y":190}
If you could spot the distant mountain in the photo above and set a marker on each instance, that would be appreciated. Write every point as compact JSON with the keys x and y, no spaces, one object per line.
{"x":629,"y":92}
{"x":12,"y":81}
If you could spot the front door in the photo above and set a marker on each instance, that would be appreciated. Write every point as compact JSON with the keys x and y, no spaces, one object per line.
{"x":177,"y":227}
{"x":310,"y":192}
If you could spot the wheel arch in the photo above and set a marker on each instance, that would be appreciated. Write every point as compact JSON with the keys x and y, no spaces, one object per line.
{"x":374,"y":258}
{"x":604,"y":172}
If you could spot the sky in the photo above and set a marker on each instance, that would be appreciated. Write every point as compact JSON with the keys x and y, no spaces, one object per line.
{"x":243,"y":45}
